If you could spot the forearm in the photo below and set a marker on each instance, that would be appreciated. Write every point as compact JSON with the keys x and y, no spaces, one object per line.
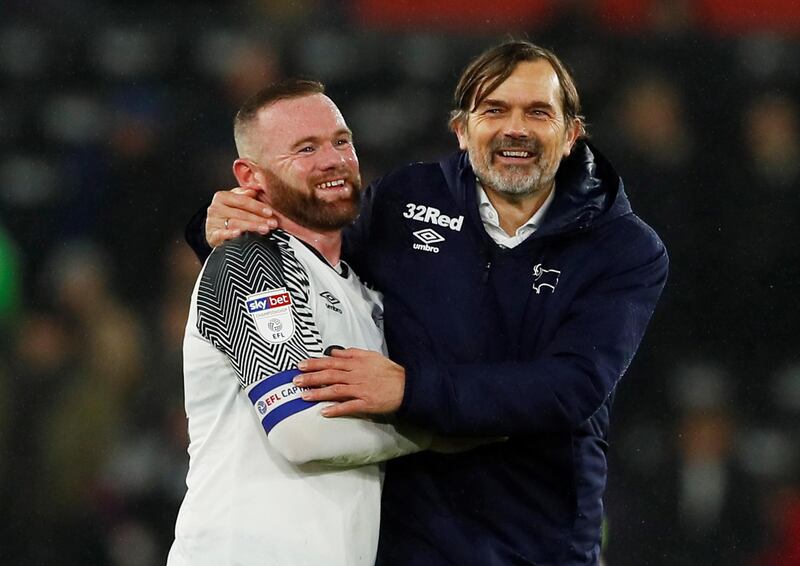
{"x":195,"y":235}
{"x":496,"y":400}
{"x":345,"y":441}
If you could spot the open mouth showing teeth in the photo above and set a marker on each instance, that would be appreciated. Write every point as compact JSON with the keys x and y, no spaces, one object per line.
{"x":509,"y":153}
{"x":331,"y":184}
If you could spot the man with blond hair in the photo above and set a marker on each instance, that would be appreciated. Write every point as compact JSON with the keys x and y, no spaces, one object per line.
{"x":271,"y":481}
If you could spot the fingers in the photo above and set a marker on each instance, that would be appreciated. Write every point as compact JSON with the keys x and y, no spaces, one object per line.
{"x":354,"y":407}
{"x":337,"y":392}
{"x":318,"y":364}
{"x":217,"y":237}
{"x":245,"y":222}
{"x":233,"y":212}
{"x":352,"y":353}
{"x":239,"y":207}
{"x":243,"y":201}
{"x":321,"y":378}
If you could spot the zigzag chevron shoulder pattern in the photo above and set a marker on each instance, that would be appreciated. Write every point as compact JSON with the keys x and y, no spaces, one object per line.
{"x":247,"y":265}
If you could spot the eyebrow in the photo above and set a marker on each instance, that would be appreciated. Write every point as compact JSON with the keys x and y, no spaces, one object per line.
{"x":313,"y":139}
{"x":504,"y":104}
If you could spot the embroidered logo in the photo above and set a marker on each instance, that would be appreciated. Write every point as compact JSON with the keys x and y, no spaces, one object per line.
{"x":331,"y":301}
{"x":427,"y":236}
{"x":272,"y":314}
{"x":545,"y":279}
{"x":432,"y":215}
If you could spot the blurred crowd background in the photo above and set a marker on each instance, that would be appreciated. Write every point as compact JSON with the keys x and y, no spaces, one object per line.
{"x":115,"y":126}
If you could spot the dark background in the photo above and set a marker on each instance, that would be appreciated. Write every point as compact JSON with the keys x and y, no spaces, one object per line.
{"x":115,"y":126}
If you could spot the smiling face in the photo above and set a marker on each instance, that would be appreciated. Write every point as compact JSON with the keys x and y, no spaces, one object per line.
{"x":299,"y":152}
{"x":517,"y":135}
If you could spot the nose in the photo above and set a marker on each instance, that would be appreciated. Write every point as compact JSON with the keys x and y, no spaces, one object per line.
{"x":331,"y":157}
{"x":516,"y":127}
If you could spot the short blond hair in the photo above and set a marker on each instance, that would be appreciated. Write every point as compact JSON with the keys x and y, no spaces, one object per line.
{"x":270,"y":94}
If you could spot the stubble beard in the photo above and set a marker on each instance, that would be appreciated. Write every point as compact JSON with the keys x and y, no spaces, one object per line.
{"x":310,"y":211}
{"x":515,"y":181}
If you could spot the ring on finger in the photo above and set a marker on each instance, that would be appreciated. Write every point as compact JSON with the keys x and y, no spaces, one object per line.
{"x":226,"y":223}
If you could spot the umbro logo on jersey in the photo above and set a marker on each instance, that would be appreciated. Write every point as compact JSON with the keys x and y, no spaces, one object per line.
{"x":428,"y":236}
{"x":432,"y":215}
{"x":545,"y":279}
{"x":328,"y":296}
{"x":331,"y":301}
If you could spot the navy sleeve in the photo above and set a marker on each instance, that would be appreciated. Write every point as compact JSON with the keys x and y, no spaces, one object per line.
{"x":563,"y":387}
{"x":195,"y":234}
{"x":355,"y":238}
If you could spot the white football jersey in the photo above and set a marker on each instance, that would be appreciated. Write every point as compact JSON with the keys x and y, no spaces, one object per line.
{"x":271,"y":481}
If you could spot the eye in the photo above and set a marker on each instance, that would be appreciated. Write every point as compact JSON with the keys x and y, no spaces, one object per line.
{"x":491,"y":111}
{"x":306,"y":149}
{"x":343,"y":142}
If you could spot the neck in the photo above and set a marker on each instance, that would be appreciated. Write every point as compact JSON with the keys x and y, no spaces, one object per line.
{"x":516,"y":210}
{"x":328,"y":243}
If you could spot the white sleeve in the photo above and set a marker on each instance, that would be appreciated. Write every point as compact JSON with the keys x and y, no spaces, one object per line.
{"x":251,"y":288}
{"x":297,"y":429}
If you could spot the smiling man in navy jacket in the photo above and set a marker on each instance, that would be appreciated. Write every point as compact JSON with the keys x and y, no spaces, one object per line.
{"x":517,"y":286}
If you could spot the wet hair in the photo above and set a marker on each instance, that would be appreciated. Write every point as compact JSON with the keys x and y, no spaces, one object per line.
{"x":270,"y":94}
{"x":488,"y":71}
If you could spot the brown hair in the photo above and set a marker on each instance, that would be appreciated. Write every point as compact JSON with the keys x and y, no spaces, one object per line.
{"x":486,"y":72}
{"x":270,"y":94}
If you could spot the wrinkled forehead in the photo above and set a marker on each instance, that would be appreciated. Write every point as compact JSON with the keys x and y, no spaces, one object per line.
{"x":535,"y":79}
{"x":288,"y":121}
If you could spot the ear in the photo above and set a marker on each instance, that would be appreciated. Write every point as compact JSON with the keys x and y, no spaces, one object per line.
{"x":572,"y":134}
{"x":247,"y":175}
{"x":460,"y":128}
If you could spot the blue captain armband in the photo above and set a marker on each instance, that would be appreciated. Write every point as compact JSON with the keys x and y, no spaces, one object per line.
{"x":276,"y":398}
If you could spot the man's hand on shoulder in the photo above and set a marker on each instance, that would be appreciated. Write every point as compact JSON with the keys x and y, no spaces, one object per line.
{"x":236,"y":211}
{"x":362,"y":381}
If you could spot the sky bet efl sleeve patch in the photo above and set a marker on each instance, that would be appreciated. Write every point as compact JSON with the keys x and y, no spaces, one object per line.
{"x":272,"y":312}
{"x":253,"y":305}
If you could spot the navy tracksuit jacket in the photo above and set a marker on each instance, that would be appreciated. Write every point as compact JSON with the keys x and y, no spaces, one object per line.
{"x":525,"y":343}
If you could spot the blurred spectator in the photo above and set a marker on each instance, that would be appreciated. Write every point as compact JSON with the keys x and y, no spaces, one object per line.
{"x":91,"y":360}
{"x":44,"y":368}
{"x":151,"y":190}
{"x":143,"y":476}
{"x":714,"y":519}
{"x":757,"y":251}
{"x":695,"y":504}
{"x":230,"y":65}
{"x":79,"y":281}
{"x":659,"y":164}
